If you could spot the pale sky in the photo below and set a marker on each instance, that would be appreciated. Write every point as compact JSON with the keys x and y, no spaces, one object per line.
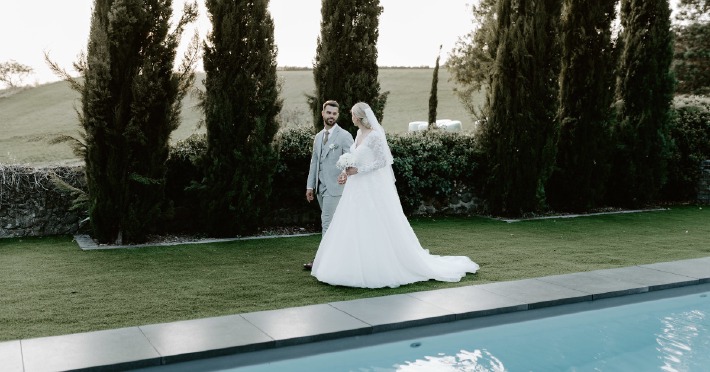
{"x":410,"y":31}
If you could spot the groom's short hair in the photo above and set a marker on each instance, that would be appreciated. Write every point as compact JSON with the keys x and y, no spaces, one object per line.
{"x":331,"y":103}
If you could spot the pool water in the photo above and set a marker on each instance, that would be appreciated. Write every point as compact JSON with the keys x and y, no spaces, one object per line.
{"x":671,"y":334}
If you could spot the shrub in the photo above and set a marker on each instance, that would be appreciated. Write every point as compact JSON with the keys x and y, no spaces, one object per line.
{"x":690,"y":135}
{"x":288,"y":199}
{"x":431,"y":166}
{"x":434,"y":165}
{"x":184,"y":171}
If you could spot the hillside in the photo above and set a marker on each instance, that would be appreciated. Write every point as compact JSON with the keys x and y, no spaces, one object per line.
{"x":32,"y":116}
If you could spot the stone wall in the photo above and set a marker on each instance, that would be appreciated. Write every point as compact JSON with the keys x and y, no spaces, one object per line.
{"x":704,"y":183}
{"x":37,"y":201}
{"x":462,"y":202}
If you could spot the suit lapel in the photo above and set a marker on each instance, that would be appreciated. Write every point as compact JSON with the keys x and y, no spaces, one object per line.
{"x":334,"y":133}
{"x":331,"y":139}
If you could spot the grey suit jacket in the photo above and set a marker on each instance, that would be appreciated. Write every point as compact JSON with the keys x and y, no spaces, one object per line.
{"x":323,"y":161}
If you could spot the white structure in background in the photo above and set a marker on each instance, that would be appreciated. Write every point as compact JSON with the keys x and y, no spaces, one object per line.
{"x":445,"y":124}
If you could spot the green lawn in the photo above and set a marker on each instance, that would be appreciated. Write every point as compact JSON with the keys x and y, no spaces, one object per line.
{"x":50,"y":287}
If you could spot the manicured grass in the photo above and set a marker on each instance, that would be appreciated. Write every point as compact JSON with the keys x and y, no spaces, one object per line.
{"x":49,"y":287}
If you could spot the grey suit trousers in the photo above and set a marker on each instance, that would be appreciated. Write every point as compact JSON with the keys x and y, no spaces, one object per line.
{"x":328,"y":204}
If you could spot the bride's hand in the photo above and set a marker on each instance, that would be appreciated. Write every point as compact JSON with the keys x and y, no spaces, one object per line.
{"x":350,"y":171}
{"x":342,"y":178}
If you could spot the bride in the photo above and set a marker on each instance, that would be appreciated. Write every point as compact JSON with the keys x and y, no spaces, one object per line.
{"x":370,"y":243}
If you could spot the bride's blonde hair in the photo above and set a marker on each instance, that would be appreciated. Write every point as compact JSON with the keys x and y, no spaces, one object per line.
{"x":358,"y":110}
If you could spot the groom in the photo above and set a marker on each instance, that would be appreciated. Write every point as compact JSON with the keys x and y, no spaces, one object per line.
{"x":329,"y":144}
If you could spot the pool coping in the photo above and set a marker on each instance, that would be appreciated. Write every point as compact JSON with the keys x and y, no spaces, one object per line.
{"x":168,"y":343}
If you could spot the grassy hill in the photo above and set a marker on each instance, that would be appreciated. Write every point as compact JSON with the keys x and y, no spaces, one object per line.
{"x":30,"y":117}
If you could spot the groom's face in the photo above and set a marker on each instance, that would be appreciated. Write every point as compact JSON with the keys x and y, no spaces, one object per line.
{"x":330,"y":115}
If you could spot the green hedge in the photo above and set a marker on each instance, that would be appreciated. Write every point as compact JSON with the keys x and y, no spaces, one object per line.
{"x":690,"y":133}
{"x":432,"y":166}
{"x":184,"y":171}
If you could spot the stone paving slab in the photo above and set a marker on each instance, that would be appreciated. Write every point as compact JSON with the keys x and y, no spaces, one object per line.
{"x":695,"y":268}
{"x":11,"y":356}
{"x":394,"y":312}
{"x":537,"y":293}
{"x":205,"y":337}
{"x":598,"y":286}
{"x":122,"y":349}
{"x":654,"y":279}
{"x":305,"y":324}
{"x":470,"y":301}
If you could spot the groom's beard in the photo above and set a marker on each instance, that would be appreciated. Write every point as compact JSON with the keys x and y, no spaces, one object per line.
{"x":330,"y":121}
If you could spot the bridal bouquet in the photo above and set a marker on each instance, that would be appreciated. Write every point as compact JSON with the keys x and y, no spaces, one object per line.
{"x":346,"y":160}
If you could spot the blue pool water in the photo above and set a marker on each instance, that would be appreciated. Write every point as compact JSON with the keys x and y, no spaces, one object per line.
{"x":670,"y":334}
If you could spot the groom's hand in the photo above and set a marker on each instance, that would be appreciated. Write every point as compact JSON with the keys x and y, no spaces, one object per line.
{"x":309,"y":195}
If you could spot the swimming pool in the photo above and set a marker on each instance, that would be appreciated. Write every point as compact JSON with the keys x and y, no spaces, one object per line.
{"x":667,"y":334}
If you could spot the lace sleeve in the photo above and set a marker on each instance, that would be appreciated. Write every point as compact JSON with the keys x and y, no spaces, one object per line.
{"x":377,"y":144}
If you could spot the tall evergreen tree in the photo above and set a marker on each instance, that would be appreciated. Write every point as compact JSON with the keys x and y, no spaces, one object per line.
{"x":586,"y":94}
{"x":130,"y":103}
{"x":517,"y":137}
{"x":433,"y":99}
{"x":644,"y":95}
{"x":345,"y":67}
{"x":241,"y":102}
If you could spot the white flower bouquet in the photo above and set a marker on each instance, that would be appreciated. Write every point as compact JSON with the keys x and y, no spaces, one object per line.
{"x":333,"y":146}
{"x":345,"y":161}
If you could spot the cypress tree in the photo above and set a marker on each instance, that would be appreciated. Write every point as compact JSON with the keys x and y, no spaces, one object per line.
{"x":517,"y":137}
{"x":130,"y":103}
{"x":433,"y":99}
{"x":345,"y":66}
{"x":644,"y":94}
{"x":241,"y":102}
{"x":586,"y":94}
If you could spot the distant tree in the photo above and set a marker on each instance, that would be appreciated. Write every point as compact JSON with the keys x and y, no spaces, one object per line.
{"x":518,"y":135}
{"x":13,"y":73}
{"x":644,"y":94}
{"x":586,"y":94}
{"x":433,"y":100}
{"x":691,"y":59}
{"x":130,"y":103}
{"x":241,"y":102}
{"x":345,"y":67}
{"x":693,"y":11}
{"x":472,"y":59}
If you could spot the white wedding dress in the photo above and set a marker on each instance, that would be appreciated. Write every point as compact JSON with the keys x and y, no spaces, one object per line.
{"x":370,"y":243}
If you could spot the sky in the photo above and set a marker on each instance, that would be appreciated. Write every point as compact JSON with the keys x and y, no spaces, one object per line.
{"x":410,"y":31}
